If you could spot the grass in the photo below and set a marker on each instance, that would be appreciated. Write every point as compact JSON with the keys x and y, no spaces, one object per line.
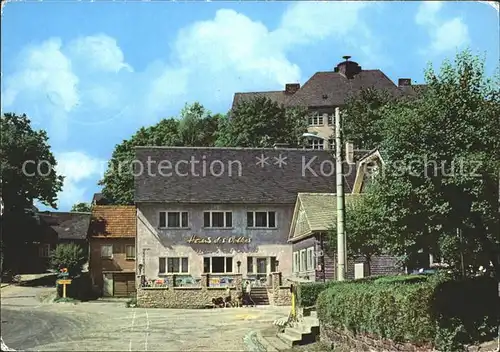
{"x":65,"y":300}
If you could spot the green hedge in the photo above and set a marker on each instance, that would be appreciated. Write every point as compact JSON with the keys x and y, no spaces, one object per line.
{"x":430,"y":310}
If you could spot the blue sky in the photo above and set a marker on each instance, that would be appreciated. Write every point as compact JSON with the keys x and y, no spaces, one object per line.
{"x":92,"y":73}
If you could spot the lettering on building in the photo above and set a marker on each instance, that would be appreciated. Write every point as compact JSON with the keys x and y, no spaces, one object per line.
{"x":219,"y":240}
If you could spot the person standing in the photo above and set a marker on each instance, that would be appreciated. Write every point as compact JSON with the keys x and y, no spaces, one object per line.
{"x":248,"y":290}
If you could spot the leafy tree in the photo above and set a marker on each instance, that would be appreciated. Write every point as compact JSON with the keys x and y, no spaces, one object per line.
{"x":23,"y":150}
{"x":261,"y":122}
{"x":26,"y":173}
{"x":196,"y":127}
{"x":440,"y":183}
{"x":70,"y":256}
{"x":364,"y":230}
{"x":362,"y":117}
{"x":81,"y":207}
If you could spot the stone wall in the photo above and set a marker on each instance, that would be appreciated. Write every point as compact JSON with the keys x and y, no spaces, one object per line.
{"x":346,"y":340}
{"x":279,"y":295}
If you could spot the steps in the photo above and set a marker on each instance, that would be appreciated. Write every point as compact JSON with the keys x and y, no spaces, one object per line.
{"x":304,"y":332}
{"x":259,"y":296}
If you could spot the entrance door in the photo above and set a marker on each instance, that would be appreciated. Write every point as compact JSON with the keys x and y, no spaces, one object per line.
{"x":107,"y":287}
{"x":124,"y":284}
{"x":261,"y":267}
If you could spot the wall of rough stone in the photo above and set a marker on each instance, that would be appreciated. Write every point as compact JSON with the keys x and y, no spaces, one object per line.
{"x":279,"y":295}
{"x":179,"y":297}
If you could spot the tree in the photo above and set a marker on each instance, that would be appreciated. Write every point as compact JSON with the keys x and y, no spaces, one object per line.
{"x":82,"y":208}
{"x":196,"y":127}
{"x":362,"y":117}
{"x":26,"y":173}
{"x":440,"y":182}
{"x":27,"y":165}
{"x":261,"y":122}
{"x":364,"y":230}
{"x":70,"y":256}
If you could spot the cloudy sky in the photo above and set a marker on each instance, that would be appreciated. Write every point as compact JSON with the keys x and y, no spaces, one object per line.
{"x":92,"y":73}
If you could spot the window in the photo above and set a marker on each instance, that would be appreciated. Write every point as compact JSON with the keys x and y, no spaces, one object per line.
{"x":218,"y":219}
{"x":44,"y":250}
{"x":331,"y":120}
{"x":273,"y":264}
{"x":250,"y":265}
{"x":107,"y":251}
{"x":315,"y":120}
{"x":173,"y":219}
{"x":261,"y":219}
{"x":218,"y":265}
{"x":310,"y":258}
{"x":316,"y":143}
{"x":130,"y":251}
{"x":173,"y":265}
{"x":303,"y":255}
{"x":331,"y":143}
{"x":295,"y":262}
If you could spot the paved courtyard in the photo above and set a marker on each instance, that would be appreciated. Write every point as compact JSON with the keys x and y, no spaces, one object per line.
{"x":28,"y":324}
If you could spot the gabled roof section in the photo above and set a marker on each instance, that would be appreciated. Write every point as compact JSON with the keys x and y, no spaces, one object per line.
{"x":113,"y":221}
{"x":314,"y":212}
{"x":67,"y":225}
{"x":332,"y":88}
{"x":277,"y":96}
{"x":245,"y":175}
{"x":99,"y":199}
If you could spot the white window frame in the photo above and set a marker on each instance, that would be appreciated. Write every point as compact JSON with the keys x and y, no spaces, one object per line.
{"x":44,"y":250}
{"x":105,"y":256}
{"x":310,"y":259}
{"x":167,"y":269}
{"x":316,"y":144}
{"x":211,"y":219}
{"x":126,"y":256}
{"x":315,"y":119}
{"x":180,"y":219}
{"x":302,"y":260}
{"x":263,"y":211}
{"x":225,"y":264}
{"x":296,"y":263}
{"x":330,"y":119}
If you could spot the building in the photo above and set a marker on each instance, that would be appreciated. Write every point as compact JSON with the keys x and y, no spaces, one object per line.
{"x":99,"y":199}
{"x":315,"y":213}
{"x":327,"y":90}
{"x":112,"y":234}
{"x":56,"y":228}
{"x":223,"y":211}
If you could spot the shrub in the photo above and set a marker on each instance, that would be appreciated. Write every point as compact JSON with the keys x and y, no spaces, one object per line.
{"x":70,"y":256}
{"x":431,"y":310}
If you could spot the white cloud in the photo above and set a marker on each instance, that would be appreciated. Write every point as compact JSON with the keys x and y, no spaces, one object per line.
{"x":77,"y":167}
{"x":99,"y":52}
{"x":446,"y":35}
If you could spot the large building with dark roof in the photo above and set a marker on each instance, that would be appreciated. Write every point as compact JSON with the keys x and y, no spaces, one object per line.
{"x":223,"y":211}
{"x":327,"y":90}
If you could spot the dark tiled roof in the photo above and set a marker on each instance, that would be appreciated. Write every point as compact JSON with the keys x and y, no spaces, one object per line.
{"x":113,"y":221}
{"x":99,"y":199}
{"x":256,"y":185}
{"x":278,"y":96}
{"x":67,"y":225}
{"x":332,"y":88}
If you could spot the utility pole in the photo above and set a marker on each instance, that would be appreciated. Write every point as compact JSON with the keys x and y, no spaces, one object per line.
{"x":341,"y":242}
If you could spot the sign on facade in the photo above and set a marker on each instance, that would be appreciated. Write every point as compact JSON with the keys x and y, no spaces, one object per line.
{"x":219,"y":240}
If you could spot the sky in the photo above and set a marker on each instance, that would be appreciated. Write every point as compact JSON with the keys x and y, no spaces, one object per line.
{"x":92,"y":73}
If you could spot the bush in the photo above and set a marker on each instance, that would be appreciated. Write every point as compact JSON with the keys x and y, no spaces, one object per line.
{"x":432,"y":310}
{"x":80,"y":288}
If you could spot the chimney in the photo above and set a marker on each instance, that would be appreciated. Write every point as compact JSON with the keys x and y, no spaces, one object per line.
{"x":404,"y":82}
{"x":349,"y":153}
{"x":291,"y":88}
{"x":348,"y":68}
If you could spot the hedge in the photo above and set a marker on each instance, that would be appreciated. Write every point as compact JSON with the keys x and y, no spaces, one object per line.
{"x":435,"y":311}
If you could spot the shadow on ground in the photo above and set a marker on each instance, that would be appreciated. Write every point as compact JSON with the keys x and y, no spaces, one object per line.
{"x":48,"y":280}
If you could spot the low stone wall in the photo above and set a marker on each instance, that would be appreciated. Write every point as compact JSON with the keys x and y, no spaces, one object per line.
{"x":279,"y":295}
{"x":179,"y":297}
{"x":346,"y":340}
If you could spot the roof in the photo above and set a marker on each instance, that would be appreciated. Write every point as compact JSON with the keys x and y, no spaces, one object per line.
{"x":99,"y":199}
{"x":67,"y":225}
{"x":278,"y":96}
{"x":113,"y":221}
{"x":244,"y":180}
{"x":314,"y":212}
